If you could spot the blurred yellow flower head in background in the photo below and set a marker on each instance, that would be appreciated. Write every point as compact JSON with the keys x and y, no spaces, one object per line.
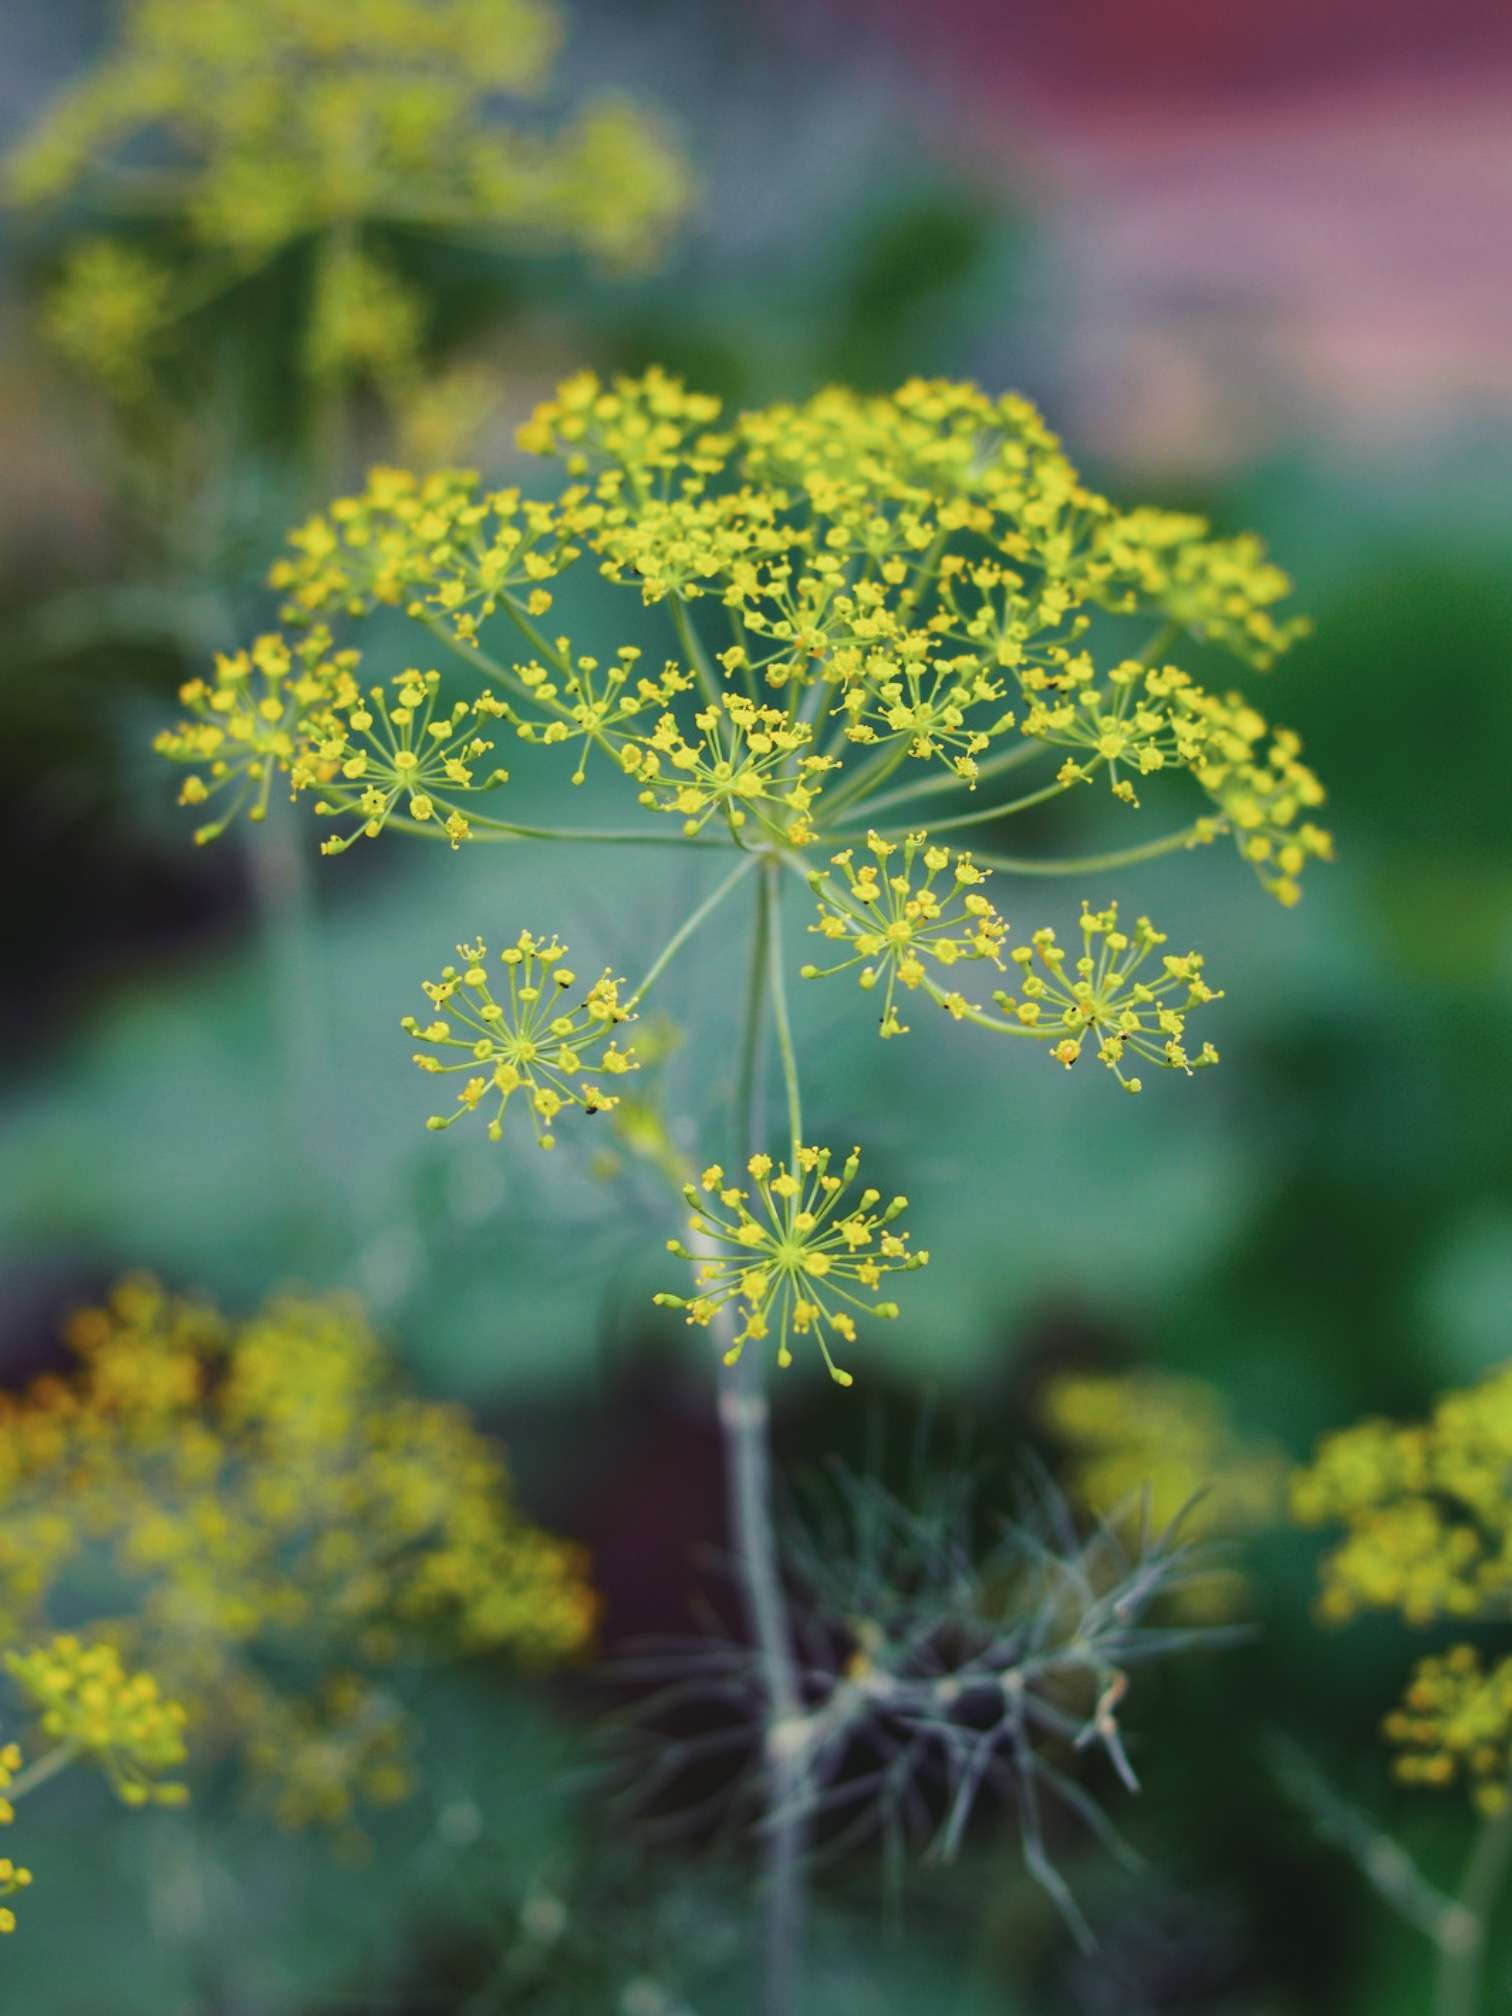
{"x":1133,"y":1435}
{"x":260,"y":1487}
{"x":1427,"y":1519}
{"x":249,"y":124}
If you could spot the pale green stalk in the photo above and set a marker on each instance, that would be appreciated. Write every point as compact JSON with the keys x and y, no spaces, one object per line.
{"x":692,"y":645}
{"x":1463,"y":1933}
{"x":284,"y":900}
{"x":986,"y":813}
{"x":745,"y":1419}
{"x":1092,"y":864}
{"x":688,"y":926}
{"x":946,"y":780}
{"x":48,"y":1765}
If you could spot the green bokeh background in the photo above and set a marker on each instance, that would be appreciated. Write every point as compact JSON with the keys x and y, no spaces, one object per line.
{"x":1322,"y":1229}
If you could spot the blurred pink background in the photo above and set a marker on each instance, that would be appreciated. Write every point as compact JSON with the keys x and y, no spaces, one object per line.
{"x":1260,"y":220}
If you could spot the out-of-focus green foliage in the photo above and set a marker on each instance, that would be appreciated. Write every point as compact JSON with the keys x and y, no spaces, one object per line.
{"x":1327,"y":1234}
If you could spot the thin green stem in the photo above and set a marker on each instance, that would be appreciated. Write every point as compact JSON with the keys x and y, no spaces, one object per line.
{"x":495,"y":668}
{"x":330,"y":420}
{"x":622,"y":836}
{"x":987,"y":813}
{"x":48,"y":1765}
{"x":1462,"y":1939}
{"x":497,"y":831}
{"x":692,"y":645}
{"x":688,"y":926}
{"x":781,"y":1022}
{"x":945,"y":780}
{"x":748,"y":1086}
{"x":1162,"y":640}
{"x":1384,"y":1863}
{"x":872,"y":773}
{"x":1093,"y":864}
{"x":285,"y":904}
{"x":967,"y":1012}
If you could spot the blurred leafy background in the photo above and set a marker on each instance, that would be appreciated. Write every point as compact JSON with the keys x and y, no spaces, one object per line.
{"x":1247,"y":259}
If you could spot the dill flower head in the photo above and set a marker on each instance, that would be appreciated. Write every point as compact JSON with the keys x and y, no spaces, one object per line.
{"x":870,"y":601}
{"x":915,"y":579}
{"x":255,"y":718}
{"x":1137,"y":1433}
{"x":438,"y":547}
{"x":1224,"y":590}
{"x":1152,"y":1448}
{"x":1099,"y":997}
{"x":748,"y":758}
{"x":895,"y":921}
{"x":1454,"y":1724}
{"x":553,"y":1050}
{"x":364,"y":322}
{"x":272,"y":1510}
{"x":373,"y":752}
{"x":10,"y":1764}
{"x":793,"y":1254}
{"x":86,"y":1699}
{"x":319,"y":1761}
{"x":288,"y":116}
{"x":290,"y":119}
{"x":107,"y":309}
{"x":1424,"y":1507}
{"x":1132,"y":720}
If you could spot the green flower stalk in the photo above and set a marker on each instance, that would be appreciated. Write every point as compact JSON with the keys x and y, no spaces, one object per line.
{"x":888,"y":619}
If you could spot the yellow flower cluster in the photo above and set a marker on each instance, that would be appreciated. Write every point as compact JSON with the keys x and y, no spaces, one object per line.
{"x":916,"y":582}
{"x":256,"y":717}
{"x":797,"y":1258}
{"x":913,"y":578}
{"x":893,"y":924}
{"x":88,"y":1702}
{"x":1425,"y":1510}
{"x":536,"y":1044}
{"x":438,"y":546}
{"x":292,"y":118}
{"x":1221,"y":589}
{"x":107,"y":310}
{"x":13,"y":1876}
{"x":316,"y":1762}
{"x":749,"y":758}
{"x":1155,"y":1436}
{"x":10,"y":1765}
{"x":1145,"y":719}
{"x":1455,"y":1722}
{"x":251,"y":1483}
{"x":1099,"y":997}
{"x":369,"y":754}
